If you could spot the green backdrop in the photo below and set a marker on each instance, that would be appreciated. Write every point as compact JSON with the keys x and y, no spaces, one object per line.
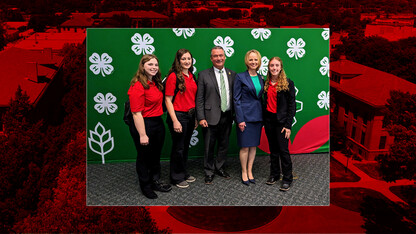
{"x":113,"y":56}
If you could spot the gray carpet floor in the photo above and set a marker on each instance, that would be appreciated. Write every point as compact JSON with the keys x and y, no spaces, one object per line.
{"x":116,"y":184}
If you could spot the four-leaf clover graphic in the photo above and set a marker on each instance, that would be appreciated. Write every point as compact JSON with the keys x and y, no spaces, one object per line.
{"x":261,"y":32}
{"x":323,"y":100}
{"x":105,"y":103}
{"x":194,"y":139}
{"x":142,"y":44}
{"x":184,"y":31}
{"x":296,"y":48}
{"x":101,"y":64}
{"x":324,"y":66}
{"x":193,"y":63}
{"x":325,"y":34}
{"x":226,"y":44}
{"x":264,"y":66}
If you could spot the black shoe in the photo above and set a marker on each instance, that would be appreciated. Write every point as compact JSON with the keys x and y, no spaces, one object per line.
{"x":149,"y":193}
{"x":285,"y":187}
{"x":222,"y":173}
{"x":272,"y":180}
{"x":208,"y":179}
{"x":245,"y":182}
{"x":253,"y":181}
{"x":161,"y":187}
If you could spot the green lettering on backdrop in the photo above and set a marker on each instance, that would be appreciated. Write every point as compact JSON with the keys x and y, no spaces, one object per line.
{"x":113,"y":56}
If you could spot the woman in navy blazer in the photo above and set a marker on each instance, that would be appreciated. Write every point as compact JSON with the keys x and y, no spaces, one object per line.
{"x":248,"y":91}
{"x":279,"y":110}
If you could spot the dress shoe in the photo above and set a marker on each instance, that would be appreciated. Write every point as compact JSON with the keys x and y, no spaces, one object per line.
{"x":161,"y":187}
{"x":208,"y":179}
{"x":149,"y":193}
{"x":245,"y":182}
{"x":253,"y":181}
{"x":222,"y":173}
{"x":272,"y":180}
{"x":285,"y":187}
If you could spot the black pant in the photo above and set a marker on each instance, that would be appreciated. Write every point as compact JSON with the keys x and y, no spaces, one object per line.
{"x":148,"y":156}
{"x":279,"y":148}
{"x":212,"y":134}
{"x":180,"y":146}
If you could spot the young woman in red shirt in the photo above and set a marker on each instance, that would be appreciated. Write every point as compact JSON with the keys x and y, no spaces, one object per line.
{"x":280,"y":108}
{"x":181,"y":120}
{"x":148,"y":131}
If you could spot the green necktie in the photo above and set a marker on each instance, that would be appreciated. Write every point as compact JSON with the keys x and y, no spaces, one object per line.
{"x":223,"y":93}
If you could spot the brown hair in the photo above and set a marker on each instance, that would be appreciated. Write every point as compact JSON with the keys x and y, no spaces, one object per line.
{"x":258,"y":56}
{"x":141,"y":74}
{"x":282,"y":83}
{"x":177,"y":69}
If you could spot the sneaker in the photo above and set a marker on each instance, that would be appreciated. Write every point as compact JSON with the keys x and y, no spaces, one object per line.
{"x":285,"y":187}
{"x":182,"y":184}
{"x":190,"y":179}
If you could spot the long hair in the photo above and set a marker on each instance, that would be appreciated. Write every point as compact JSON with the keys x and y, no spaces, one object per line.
{"x":282,"y":83}
{"x":141,"y":76}
{"x":257,"y":53}
{"x":177,"y":68}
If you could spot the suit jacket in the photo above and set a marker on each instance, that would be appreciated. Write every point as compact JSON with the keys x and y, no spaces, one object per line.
{"x":286,"y":105}
{"x":208,"y":99}
{"x":247,"y":104}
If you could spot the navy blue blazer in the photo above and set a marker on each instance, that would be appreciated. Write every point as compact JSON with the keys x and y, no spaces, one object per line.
{"x":247,"y":104}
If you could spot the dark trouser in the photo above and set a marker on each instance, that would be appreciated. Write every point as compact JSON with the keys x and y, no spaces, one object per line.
{"x":180,"y":146}
{"x":148,"y":156}
{"x":212,"y":134}
{"x":279,"y":148}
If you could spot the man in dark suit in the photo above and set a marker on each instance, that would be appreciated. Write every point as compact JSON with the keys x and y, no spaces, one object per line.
{"x":214,"y":112}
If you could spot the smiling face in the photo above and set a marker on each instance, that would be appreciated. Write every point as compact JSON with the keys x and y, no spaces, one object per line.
{"x":253,"y":61}
{"x":151,"y":68}
{"x":186,"y":61}
{"x":218,"y":58}
{"x":275,"y":67}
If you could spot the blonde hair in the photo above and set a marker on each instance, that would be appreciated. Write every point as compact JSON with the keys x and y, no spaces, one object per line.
{"x":141,"y":73}
{"x":258,"y":57}
{"x":282,"y":83}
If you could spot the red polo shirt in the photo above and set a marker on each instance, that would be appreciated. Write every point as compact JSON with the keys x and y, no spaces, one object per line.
{"x":148,"y":101}
{"x":272,"y":98}
{"x":183,"y":101}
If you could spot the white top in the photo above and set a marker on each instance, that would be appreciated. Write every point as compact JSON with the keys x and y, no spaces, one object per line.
{"x":227,"y":88}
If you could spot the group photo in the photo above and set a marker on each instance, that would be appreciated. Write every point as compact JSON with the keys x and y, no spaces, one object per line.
{"x":208,"y":117}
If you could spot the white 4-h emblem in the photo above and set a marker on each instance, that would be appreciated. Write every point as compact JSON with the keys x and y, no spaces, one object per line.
{"x":100,"y":141}
{"x":193,"y":63}
{"x":264,"y":66}
{"x":184,"y":31}
{"x":105,"y":103}
{"x":226,"y":44}
{"x":142,"y":44}
{"x":101,"y":64}
{"x":324,"y":66}
{"x":325,"y":34}
{"x":194,"y":139}
{"x":296,"y":48}
{"x":299,"y":105}
{"x":323,"y":100}
{"x":261,"y":32}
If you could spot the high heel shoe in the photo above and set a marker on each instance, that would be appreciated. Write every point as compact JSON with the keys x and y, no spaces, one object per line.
{"x":252,"y":180}
{"x":245,"y":182}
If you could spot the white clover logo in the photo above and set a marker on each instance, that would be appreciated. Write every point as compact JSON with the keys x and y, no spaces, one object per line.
{"x":264,"y":66}
{"x":296,"y":48}
{"x":226,"y":44}
{"x":142,"y":44}
{"x":101,"y":64}
{"x":194,"y":139}
{"x":261,"y":32}
{"x":100,"y":141}
{"x":184,"y":31}
{"x":324,"y":66}
{"x":299,"y":106}
{"x":325,"y":34}
{"x":105,"y":103}
{"x":193,"y":63}
{"x":323,"y":100}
